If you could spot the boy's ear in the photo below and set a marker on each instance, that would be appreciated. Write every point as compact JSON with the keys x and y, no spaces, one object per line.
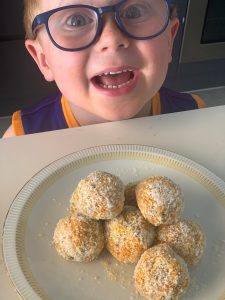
{"x":174,"y":26}
{"x":36,"y":51}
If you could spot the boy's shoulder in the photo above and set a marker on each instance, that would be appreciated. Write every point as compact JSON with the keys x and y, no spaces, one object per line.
{"x":42,"y":104}
{"x":174,"y":101}
{"x":46,"y":114}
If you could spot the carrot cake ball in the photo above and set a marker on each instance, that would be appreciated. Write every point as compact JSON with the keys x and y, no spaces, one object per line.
{"x":99,"y":196}
{"x":129,"y":193}
{"x":161,"y":274}
{"x":186,"y":238}
{"x":128,"y":235}
{"x":160,"y":200}
{"x":79,"y":238}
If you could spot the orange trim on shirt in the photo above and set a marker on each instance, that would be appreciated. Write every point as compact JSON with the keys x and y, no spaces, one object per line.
{"x":70,"y":119}
{"x":200,"y":102}
{"x":17,"y":123}
{"x":155,"y":105}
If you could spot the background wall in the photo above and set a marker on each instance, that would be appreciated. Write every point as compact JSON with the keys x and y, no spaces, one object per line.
{"x":199,"y":71}
{"x":21,"y":82}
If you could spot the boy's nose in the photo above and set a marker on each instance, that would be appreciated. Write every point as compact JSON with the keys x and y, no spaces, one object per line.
{"x":111,"y":38}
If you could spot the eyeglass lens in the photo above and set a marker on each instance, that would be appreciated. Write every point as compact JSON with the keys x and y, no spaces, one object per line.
{"x":76,"y":27}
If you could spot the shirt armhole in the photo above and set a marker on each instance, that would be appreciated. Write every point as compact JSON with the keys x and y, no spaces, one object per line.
{"x":17,"y":123}
{"x":69,"y":117}
{"x":199,"y":101}
{"x":155,"y":105}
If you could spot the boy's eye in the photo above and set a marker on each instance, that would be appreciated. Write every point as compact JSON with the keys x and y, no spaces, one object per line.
{"x":137,"y":11}
{"x":133,"y":12}
{"x":78,"y":20}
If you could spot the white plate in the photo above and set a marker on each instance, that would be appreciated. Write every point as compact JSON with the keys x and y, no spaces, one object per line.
{"x":36,"y":270}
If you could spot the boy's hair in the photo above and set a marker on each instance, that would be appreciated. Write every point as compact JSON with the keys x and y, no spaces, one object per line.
{"x":29,"y":13}
{"x":173,"y":11}
{"x":31,"y":9}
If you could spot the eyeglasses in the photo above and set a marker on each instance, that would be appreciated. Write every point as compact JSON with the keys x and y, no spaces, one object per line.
{"x":76,"y":27}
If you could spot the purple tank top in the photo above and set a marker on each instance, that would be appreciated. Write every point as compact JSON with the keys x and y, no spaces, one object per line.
{"x":47,"y":114}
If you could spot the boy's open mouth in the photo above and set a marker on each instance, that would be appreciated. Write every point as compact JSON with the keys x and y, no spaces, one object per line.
{"x":113,"y":79}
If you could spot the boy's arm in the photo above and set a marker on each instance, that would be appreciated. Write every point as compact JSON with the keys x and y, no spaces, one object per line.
{"x":9,"y":132}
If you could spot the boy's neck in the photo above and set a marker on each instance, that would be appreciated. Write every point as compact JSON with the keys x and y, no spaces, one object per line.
{"x":84,"y":117}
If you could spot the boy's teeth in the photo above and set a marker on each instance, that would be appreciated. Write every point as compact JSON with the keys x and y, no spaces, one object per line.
{"x":114,"y":79}
{"x":116,"y":72}
{"x":114,"y":86}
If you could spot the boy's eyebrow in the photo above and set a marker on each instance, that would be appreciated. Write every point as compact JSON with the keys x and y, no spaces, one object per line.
{"x":89,"y":2}
{"x":66,"y":2}
{"x":71,"y":2}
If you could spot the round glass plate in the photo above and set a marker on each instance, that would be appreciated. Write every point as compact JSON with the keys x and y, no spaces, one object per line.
{"x":38,"y":272}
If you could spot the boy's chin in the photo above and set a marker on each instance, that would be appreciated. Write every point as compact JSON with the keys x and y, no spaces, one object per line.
{"x":120,"y":117}
{"x":136,"y":112}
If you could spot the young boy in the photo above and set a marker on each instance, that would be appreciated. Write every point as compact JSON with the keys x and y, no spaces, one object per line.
{"x":109,"y":59}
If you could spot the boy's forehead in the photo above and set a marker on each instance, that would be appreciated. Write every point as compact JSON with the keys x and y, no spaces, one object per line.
{"x":47,"y":5}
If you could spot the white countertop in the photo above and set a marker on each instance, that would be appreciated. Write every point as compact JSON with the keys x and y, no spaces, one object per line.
{"x":198,"y":135}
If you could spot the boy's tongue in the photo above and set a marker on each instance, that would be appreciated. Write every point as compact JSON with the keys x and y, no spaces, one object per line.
{"x":114,"y":79}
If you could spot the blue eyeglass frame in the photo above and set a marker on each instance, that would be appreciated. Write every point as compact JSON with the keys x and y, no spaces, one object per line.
{"x":42,"y":19}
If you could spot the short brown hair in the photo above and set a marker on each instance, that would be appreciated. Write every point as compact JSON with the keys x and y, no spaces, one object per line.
{"x":31,"y":10}
{"x":173,"y":11}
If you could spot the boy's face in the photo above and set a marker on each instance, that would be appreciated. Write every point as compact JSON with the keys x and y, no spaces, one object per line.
{"x":143,"y":63}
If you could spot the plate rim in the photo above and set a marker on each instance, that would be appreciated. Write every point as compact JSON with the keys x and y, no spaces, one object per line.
{"x":77,"y":156}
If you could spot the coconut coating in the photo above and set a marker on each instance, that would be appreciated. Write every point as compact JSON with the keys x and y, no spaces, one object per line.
{"x":79,"y":238}
{"x":160,"y":200}
{"x":129,"y":235}
{"x":99,"y":196}
{"x":161,"y":274}
{"x":186,"y":238}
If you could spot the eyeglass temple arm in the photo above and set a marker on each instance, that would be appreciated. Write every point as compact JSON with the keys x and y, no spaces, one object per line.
{"x":38,"y":20}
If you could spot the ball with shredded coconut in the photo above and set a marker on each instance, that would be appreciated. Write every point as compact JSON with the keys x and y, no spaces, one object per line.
{"x":79,"y":238}
{"x":160,"y":200}
{"x":99,"y":196}
{"x":128,"y":235}
{"x":161,"y":274}
{"x":186,"y":238}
